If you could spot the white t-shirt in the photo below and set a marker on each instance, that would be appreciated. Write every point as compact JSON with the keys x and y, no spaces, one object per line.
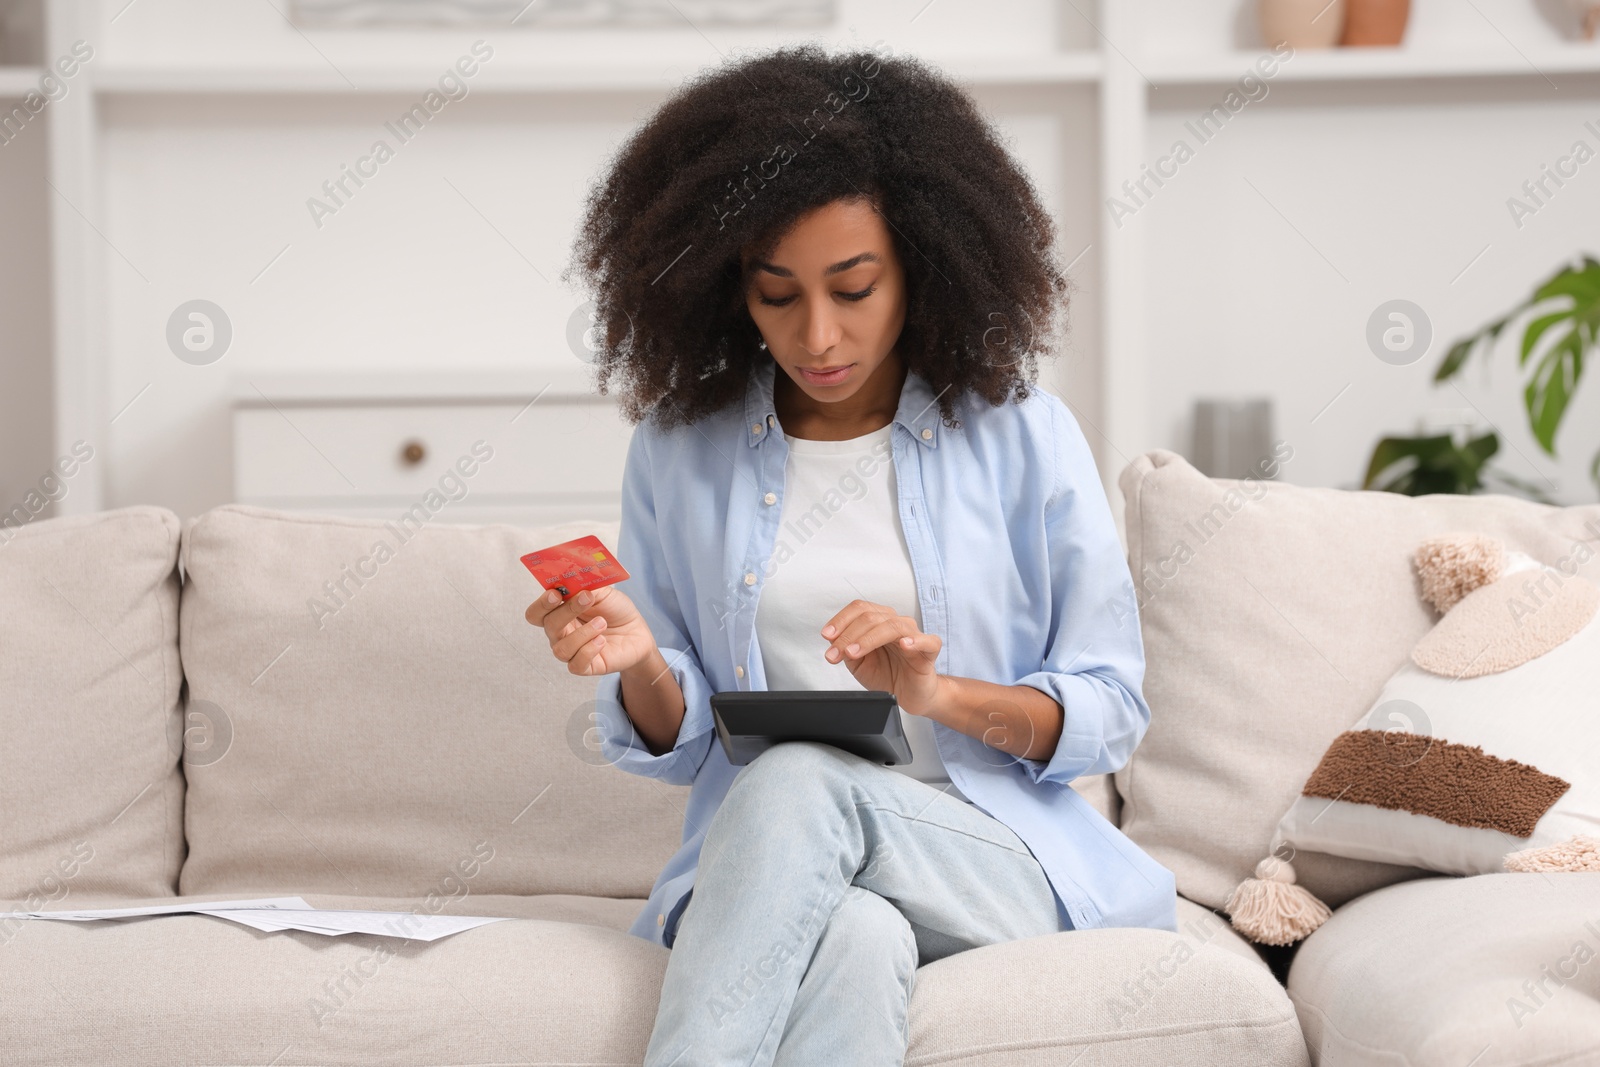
{"x":839,"y":538}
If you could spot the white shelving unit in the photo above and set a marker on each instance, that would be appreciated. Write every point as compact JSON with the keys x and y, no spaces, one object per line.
{"x":1083,"y":69}
{"x":1377,"y":65}
{"x":16,"y":82}
{"x":1080,"y":69}
{"x":1128,"y":73}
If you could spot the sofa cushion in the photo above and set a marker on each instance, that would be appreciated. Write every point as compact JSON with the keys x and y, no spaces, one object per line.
{"x":1499,"y":969}
{"x":195,"y":989}
{"x":1200,"y":997}
{"x":583,"y":992}
{"x":91,"y":797}
{"x":394,"y":718}
{"x":1100,"y":790}
{"x":1272,"y":616}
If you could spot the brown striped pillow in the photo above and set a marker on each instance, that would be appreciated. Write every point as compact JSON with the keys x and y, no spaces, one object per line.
{"x":1482,"y":752}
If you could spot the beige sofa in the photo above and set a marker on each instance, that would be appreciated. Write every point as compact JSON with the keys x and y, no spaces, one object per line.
{"x":258,"y":703}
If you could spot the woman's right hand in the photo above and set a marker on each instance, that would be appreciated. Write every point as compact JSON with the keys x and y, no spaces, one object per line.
{"x":597,"y":631}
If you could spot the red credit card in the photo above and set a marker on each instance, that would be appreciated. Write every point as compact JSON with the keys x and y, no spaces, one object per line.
{"x":573,"y":566}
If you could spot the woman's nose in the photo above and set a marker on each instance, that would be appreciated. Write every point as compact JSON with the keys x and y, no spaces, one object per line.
{"x":821,"y":331}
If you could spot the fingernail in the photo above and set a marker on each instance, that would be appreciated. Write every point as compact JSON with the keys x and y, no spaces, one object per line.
{"x":853,"y":649}
{"x":553,"y":597}
{"x":827,"y":631}
{"x":583,"y":597}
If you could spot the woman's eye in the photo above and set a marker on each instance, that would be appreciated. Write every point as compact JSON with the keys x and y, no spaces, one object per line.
{"x":780,"y":302}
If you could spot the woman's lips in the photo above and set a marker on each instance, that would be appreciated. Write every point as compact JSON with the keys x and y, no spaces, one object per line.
{"x":837,"y":376}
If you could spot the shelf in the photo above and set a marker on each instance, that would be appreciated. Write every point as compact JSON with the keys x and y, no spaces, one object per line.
{"x":1068,"y":68}
{"x":369,"y":80}
{"x":314,"y":388}
{"x":1079,"y":68}
{"x":1065,"y":69}
{"x":17,"y":82}
{"x":1373,"y":64}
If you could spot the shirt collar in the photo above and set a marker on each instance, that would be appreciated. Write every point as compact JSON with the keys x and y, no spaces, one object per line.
{"x":918,"y":411}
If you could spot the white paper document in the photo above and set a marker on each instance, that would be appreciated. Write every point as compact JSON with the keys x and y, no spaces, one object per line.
{"x":333,"y":923}
{"x":289,"y":913}
{"x":190,"y":908}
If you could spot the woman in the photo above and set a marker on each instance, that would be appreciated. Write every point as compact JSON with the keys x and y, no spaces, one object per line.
{"x":824,"y":279}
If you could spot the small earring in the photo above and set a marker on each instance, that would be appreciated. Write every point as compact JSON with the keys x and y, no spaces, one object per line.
{"x":761,"y":344}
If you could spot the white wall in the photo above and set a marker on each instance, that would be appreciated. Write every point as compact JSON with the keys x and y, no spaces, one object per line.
{"x":203,"y":192}
{"x":1396,"y":186}
{"x":1276,"y":242}
{"x":26,"y":426}
{"x":1272,"y":246}
{"x":25,"y":390}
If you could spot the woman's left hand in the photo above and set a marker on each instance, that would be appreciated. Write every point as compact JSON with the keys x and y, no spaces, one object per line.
{"x":885,"y":650}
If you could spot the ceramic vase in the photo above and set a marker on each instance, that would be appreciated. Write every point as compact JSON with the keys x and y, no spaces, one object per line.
{"x":1302,"y":23}
{"x":1375,"y":22}
{"x":1588,"y":12}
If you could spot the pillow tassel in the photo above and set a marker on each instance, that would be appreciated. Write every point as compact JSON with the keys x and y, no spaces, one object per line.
{"x":1271,"y":909}
{"x":1577,"y":853}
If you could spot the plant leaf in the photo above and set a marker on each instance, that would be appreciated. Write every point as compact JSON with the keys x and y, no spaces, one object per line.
{"x":1417,"y":466}
{"x":1467,"y":462}
{"x":1550,"y":389}
{"x":1582,"y":284}
{"x":1391,"y":450}
{"x":1536,"y":329}
{"x":1457,"y":356}
{"x":1481,"y":448}
{"x":1574,"y":328}
{"x":1556,"y":373}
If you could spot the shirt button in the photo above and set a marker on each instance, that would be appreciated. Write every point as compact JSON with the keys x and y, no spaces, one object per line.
{"x":927,"y":435}
{"x":750,"y":578}
{"x":739,"y":670}
{"x":771,"y":498}
{"x":755,"y":427}
{"x":772,"y":420}
{"x":661,"y":920}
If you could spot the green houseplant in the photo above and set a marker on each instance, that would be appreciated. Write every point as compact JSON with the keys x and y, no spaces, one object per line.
{"x":1567,"y":307}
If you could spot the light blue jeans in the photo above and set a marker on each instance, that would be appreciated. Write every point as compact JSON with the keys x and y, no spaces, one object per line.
{"x":824,"y":881}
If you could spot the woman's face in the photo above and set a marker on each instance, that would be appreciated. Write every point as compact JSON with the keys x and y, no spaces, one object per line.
{"x":831,"y":297}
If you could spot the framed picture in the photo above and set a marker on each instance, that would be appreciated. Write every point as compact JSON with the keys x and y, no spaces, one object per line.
{"x":552,"y":13}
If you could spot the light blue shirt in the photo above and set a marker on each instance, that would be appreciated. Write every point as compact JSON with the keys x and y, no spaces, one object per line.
{"x":1018,"y":569}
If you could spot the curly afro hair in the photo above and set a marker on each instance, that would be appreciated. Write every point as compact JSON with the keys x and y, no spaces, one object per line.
{"x":737,"y":155}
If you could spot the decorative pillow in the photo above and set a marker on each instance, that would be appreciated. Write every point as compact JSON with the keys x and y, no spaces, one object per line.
{"x":1481,"y":754}
{"x":91,"y":794}
{"x":385,"y":720}
{"x":1272,"y":615}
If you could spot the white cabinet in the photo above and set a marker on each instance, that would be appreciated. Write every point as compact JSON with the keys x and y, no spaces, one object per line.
{"x":521,"y":448}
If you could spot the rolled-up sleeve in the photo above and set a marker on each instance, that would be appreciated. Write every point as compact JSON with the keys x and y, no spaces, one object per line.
{"x":649,"y":586}
{"x":1094,"y":664}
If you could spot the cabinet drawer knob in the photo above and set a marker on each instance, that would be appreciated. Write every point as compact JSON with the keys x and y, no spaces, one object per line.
{"x":413,"y":453}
